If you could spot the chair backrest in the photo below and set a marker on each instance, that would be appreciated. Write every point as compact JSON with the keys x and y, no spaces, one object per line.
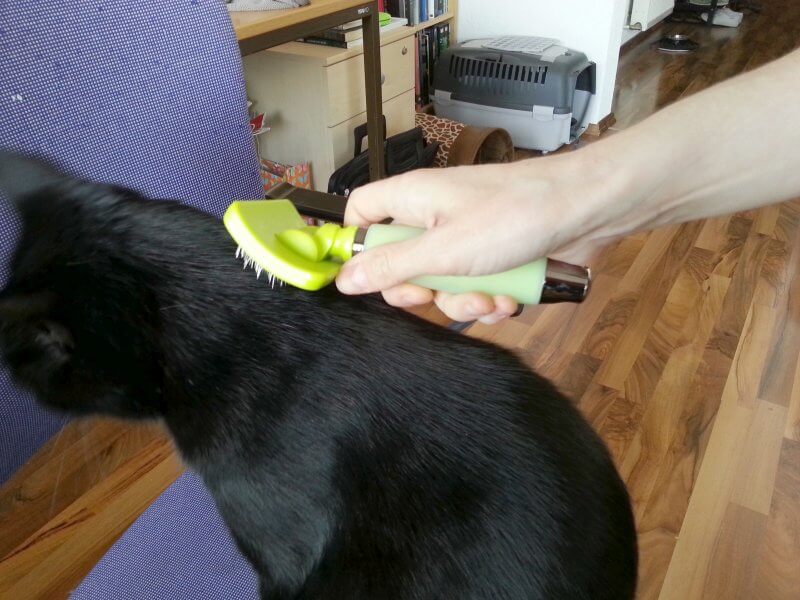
{"x":145,"y":93}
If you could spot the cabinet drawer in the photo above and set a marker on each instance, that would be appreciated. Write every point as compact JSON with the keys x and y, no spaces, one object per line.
{"x":345,"y":80}
{"x":399,"y":113}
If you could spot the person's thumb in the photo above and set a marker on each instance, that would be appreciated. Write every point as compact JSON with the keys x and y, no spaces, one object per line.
{"x":383,"y":267}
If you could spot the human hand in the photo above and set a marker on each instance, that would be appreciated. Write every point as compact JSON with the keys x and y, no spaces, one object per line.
{"x":479,"y":220}
{"x":680,"y":164}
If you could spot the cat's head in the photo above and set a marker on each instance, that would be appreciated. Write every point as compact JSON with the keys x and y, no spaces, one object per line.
{"x":78,"y":314}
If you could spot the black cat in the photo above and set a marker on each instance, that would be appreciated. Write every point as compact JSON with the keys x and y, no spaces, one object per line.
{"x":354,"y":451}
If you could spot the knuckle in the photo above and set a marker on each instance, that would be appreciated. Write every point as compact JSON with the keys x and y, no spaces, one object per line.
{"x":380,"y":267}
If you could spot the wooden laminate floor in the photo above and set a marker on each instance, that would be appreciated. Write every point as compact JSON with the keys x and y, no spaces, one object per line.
{"x":685,"y":358}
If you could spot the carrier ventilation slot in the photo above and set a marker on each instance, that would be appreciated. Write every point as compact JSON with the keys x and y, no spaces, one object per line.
{"x":495,"y":76}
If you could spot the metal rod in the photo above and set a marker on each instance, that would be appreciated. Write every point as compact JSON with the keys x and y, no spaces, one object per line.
{"x":372,"y":85}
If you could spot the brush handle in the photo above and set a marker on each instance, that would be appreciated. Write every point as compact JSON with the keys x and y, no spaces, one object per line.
{"x":524,"y":284}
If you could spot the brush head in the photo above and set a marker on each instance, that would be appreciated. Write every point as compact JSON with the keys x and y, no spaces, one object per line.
{"x":273,"y":236}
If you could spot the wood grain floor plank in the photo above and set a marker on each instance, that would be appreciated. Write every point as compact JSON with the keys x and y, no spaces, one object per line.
{"x":79,"y":457}
{"x":609,"y":324}
{"x":51,"y":562}
{"x":792,"y":431}
{"x":778,"y":575}
{"x":784,"y":350}
{"x":577,"y":376}
{"x":662,"y":507}
{"x":755,"y":478}
{"x":654,"y":434}
{"x":733,"y":460}
{"x":788,"y":222}
{"x":733,"y":568}
{"x":749,"y":362}
{"x":689,"y":565}
{"x":595,"y":404}
{"x":618,"y":258}
{"x":654,"y":252}
{"x":766,"y":220}
{"x":657,"y":284}
{"x":676,"y":325}
{"x":713,"y":234}
{"x":774,"y":281}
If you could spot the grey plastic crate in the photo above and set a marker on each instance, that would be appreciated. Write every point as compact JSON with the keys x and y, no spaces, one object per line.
{"x":541,"y":100}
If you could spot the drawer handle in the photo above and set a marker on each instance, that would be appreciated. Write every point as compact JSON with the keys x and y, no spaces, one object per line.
{"x":404,"y":51}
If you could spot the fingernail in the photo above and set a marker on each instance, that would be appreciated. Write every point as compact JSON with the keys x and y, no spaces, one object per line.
{"x":408,"y":299}
{"x":474,"y":311}
{"x":354,"y":280}
{"x":492,"y":319}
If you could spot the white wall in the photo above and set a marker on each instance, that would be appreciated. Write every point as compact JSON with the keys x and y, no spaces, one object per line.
{"x":591,"y":26}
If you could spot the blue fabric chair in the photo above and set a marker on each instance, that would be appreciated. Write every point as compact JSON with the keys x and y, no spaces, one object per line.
{"x":148,"y":94}
{"x":179,"y":549}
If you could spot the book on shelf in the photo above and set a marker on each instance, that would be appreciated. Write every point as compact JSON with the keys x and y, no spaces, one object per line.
{"x":442,"y":38}
{"x":417,"y":82}
{"x":412,"y":11}
{"x":431,"y":42}
{"x":420,"y":79}
{"x":341,"y":35}
{"x":332,"y":39}
{"x":417,"y":11}
{"x":350,"y":25}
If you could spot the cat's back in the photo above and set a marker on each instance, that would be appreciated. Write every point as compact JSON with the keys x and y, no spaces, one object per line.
{"x":489,"y":463}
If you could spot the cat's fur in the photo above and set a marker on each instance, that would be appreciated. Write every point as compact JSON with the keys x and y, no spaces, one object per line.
{"x":355,"y":452}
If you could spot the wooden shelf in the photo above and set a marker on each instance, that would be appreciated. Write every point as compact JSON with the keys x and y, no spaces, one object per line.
{"x":329,"y":55}
{"x":431,"y":22}
{"x":251,"y":24}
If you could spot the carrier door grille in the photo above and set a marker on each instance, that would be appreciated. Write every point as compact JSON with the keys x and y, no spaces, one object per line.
{"x":495,"y":77}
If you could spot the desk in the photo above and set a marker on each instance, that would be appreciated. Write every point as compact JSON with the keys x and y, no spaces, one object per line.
{"x":259,"y":30}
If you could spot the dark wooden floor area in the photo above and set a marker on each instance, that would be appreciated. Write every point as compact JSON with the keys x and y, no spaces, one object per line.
{"x":649,"y":80}
{"x":685,"y":358}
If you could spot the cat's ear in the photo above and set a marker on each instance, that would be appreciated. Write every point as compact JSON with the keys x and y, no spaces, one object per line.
{"x":18,"y":307}
{"x":23,"y":176}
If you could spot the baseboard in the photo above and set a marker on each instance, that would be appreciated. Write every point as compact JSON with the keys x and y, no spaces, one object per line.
{"x":601,"y":126}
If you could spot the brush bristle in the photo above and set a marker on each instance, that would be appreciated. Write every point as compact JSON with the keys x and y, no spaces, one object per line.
{"x":249,"y":262}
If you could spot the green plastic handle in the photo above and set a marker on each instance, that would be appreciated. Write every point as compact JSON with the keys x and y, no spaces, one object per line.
{"x":524,"y":284}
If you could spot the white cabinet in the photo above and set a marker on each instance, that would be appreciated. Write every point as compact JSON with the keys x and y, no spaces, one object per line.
{"x":645,"y":13}
{"x":313,"y":97}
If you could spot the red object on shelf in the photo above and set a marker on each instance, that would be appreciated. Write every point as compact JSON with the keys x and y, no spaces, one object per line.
{"x":257,"y":122}
{"x":380,"y":6}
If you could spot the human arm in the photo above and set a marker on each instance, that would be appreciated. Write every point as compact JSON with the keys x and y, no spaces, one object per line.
{"x":732,"y":147}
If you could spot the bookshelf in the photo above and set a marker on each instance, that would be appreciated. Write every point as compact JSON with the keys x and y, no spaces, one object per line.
{"x":449,"y":16}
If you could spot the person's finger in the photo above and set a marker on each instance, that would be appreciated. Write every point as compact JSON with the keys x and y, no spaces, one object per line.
{"x":492,"y":319}
{"x":501,"y":311}
{"x":464,"y":307}
{"x":386,"y":266}
{"x":407,"y":294}
{"x":506,"y":305}
{"x":400,"y":198}
{"x":367,"y":205}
